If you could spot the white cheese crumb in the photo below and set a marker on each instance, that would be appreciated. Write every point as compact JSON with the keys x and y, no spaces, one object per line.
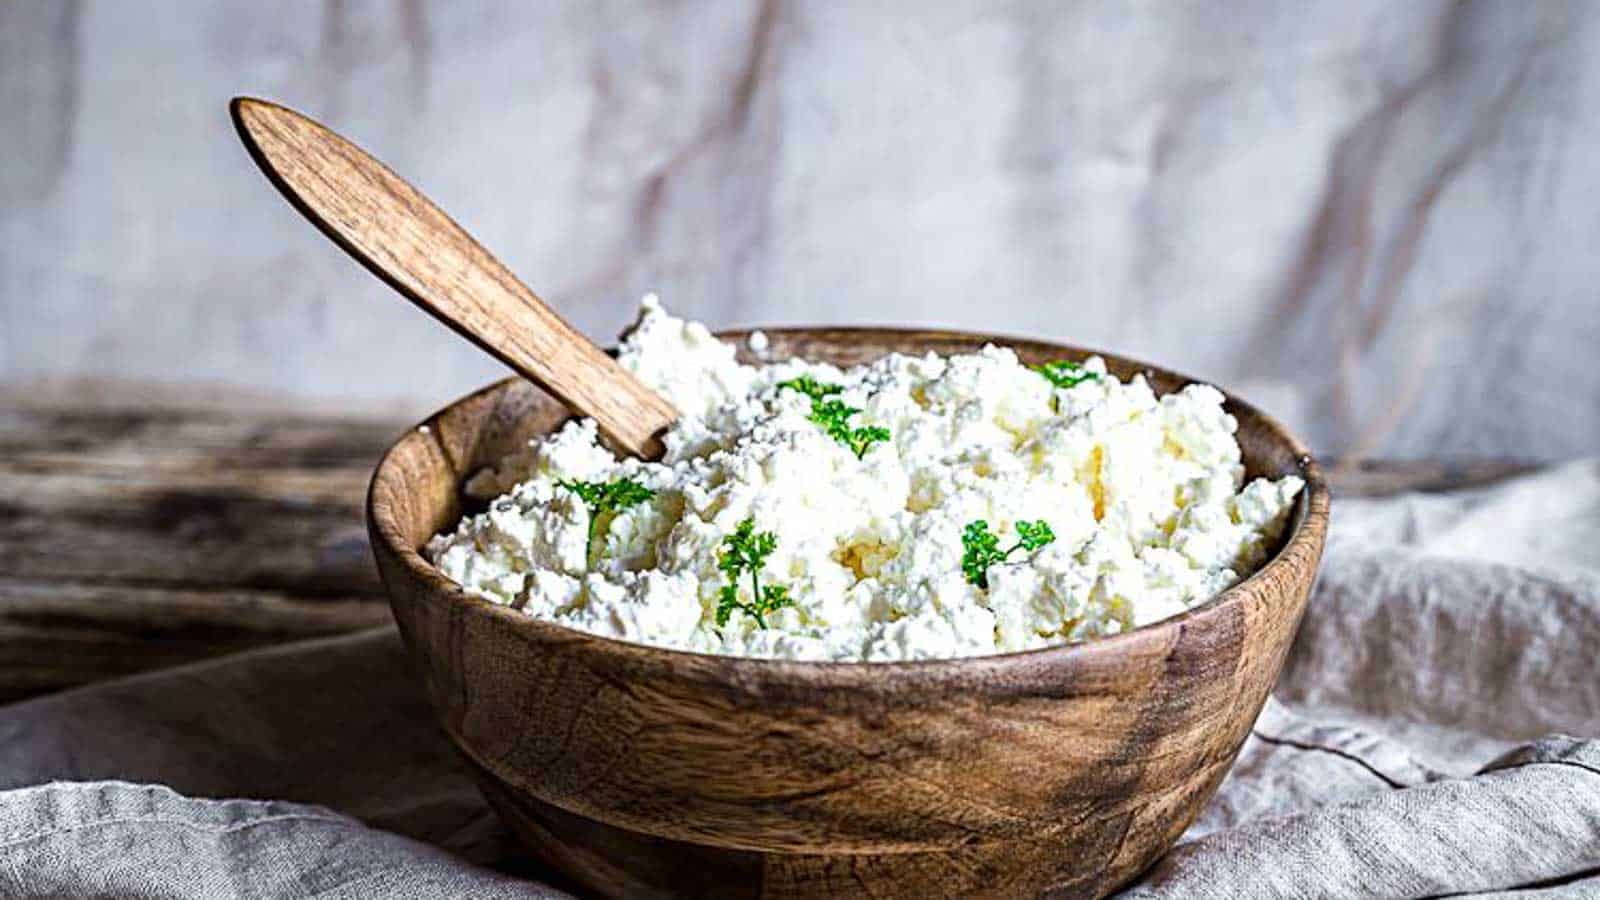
{"x":1144,"y":494}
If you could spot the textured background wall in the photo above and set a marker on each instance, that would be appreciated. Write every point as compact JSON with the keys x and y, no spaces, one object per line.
{"x":1377,"y":219}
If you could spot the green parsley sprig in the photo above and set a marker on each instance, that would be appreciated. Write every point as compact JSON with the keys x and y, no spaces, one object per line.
{"x":981,"y":547}
{"x":811,"y":387}
{"x":1064,"y":373}
{"x":746,"y":551}
{"x":605,"y":497}
{"x":834,"y":415}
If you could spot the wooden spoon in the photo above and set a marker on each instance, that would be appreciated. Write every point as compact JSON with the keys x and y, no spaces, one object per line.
{"x":403,"y":238}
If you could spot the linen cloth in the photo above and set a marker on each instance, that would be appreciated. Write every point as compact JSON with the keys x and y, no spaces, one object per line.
{"x":1431,"y":736}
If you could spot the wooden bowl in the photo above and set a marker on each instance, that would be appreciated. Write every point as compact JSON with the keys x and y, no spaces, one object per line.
{"x":642,"y":771}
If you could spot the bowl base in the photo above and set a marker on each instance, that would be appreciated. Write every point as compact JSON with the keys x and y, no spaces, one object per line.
{"x":616,"y":862}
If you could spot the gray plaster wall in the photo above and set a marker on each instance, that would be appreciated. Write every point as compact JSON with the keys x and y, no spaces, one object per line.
{"x":1376,"y":219}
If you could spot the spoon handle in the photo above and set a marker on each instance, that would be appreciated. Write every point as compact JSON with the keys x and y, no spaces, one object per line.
{"x":407,"y":241}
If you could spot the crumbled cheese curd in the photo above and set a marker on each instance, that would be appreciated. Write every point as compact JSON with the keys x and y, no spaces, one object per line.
{"x":1144,"y":494}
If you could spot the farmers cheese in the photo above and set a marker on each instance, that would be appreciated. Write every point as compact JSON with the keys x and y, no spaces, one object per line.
{"x":916,"y":507}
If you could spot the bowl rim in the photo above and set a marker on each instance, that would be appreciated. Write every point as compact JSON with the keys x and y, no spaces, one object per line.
{"x":1305,"y":539}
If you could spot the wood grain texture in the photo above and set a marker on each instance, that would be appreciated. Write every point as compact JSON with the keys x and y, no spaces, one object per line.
{"x":407,"y":241}
{"x":641,"y":771}
{"x":135,"y":541}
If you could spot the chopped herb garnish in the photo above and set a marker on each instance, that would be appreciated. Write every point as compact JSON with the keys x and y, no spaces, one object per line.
{"x":746,"y":550}
{"x":861,"y":440}
{"x":981,"y":548}
{"x":605,"y":497}
{"x":811,"y":387}
{"x":834,"y":417}
{"x":1065,"y":374}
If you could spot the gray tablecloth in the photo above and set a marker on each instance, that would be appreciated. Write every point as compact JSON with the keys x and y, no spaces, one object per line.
{"x":1429,"y":738}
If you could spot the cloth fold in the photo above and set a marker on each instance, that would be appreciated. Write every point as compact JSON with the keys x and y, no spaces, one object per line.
{"x":1429,"y":737}
{"x":1530,"y":817}
{"x":115,"y":839}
